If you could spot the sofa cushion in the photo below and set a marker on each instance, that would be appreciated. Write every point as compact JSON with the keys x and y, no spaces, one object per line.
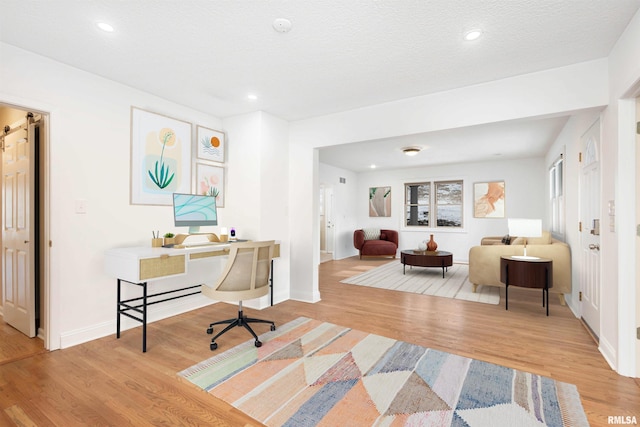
{"x":378,"y":248}
{"x":371,"y":233}
{"x":545,"y":239}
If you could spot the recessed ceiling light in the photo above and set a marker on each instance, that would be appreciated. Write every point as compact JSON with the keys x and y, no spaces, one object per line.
{"x":472,"y":35}
{"x":411,"y":151}
{"x":252,"y":97}
{"x":105,"y":27}
{"x":372,"y":166}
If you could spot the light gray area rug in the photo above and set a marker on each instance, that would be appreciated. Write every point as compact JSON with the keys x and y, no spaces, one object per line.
{"x":427,"y":281}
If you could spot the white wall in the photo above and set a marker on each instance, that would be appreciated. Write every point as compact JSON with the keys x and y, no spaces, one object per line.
{"x":258,"y":188}
{"x":524,"y":198}
{"x":90,"y":160}
{"x":619,"y":183}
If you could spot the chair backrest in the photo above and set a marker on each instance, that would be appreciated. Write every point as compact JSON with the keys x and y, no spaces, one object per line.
{"x":246,"y":274}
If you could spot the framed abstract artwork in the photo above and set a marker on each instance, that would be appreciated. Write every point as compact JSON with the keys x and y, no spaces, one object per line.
{"x":488,"y":199}
{"x":210,"y":182}
{"x":211,"y":144}
{"x":380,"y":201}
{"x":160,"y":158}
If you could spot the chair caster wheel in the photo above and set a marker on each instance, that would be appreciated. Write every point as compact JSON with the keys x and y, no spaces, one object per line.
{"x":213,"y":346}
{"x":258,"y":343}
{"x":273,"y":327}
{"x":210,"y":331}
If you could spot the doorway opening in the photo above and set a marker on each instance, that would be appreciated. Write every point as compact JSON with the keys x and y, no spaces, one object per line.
{"x":24,"y":240}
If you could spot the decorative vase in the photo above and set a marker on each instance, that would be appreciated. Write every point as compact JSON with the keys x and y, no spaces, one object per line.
{"x":431,"y":244}
{"x":422,"y":246}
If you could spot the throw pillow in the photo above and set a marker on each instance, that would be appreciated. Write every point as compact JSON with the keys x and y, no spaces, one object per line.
{"x":371,"y":233}
{"x":506,"y":240}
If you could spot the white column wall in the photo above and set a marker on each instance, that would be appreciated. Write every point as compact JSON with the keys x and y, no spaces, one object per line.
{"x":257,"y":189}
{"x":618,"y":338}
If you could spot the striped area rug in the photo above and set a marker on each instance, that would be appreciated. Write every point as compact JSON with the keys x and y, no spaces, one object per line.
{"x":310,"y":373}
{"x":427,"y":281}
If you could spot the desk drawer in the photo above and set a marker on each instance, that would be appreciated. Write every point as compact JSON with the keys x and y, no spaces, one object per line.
{"x":164,"y":265}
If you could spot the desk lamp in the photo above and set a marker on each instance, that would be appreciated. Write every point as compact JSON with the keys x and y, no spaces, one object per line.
{"x":525,"y":228}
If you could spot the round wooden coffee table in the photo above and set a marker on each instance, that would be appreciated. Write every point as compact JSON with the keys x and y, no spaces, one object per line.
{"x":413,"y":257}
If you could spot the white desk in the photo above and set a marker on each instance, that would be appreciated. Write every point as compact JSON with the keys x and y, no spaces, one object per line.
{"x":138,"y":266}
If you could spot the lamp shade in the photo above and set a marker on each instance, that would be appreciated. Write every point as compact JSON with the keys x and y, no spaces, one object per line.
{"x":521,"y":227}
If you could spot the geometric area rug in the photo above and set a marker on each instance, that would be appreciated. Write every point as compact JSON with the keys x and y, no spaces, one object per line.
{"x":427,"y":281}
{"x":310,"y":373}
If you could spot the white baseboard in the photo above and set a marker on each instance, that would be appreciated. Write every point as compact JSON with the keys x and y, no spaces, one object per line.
{"x":608,"y":352}
{"x":155,"y":313}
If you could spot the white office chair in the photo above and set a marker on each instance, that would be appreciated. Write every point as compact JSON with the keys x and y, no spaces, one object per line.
{"x":246,"y":276}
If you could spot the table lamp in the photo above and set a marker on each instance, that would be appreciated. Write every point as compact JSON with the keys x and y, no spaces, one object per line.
{"x":521,"y":227}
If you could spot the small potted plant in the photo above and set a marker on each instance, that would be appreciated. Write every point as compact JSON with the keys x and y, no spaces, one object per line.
{"x":169,"y":238}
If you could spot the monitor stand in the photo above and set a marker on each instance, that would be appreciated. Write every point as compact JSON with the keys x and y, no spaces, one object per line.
{"x":211,"y":237}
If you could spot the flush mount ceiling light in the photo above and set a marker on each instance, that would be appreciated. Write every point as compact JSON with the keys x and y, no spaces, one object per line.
{"x":472,"y":35}
{"x":107,"y":28}
{"x":252,"y":97}
{"x":411,"y":151}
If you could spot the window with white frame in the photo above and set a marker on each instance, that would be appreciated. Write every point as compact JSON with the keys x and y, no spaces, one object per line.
{"x":556,"y":197}
{"x":434,"y":204}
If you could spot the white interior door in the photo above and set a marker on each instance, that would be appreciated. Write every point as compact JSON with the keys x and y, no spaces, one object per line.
{"x":329,"y":220}
{"x":590,"y":234}
{"x":17,"y":231}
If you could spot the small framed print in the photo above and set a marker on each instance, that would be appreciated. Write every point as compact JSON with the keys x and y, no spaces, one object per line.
{"x":210,"y":182}
{"x":211,"y":144}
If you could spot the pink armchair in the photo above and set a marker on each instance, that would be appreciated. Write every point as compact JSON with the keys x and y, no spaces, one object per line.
{"x":386,"y":243}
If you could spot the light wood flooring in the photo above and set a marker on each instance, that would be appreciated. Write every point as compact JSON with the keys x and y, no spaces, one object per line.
{"x":111,"y":382}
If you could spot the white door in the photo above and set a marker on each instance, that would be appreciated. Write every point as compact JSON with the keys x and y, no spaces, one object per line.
{"x":17,"y":232}
{"x":329,"y":221}
{"x":590,"y":234}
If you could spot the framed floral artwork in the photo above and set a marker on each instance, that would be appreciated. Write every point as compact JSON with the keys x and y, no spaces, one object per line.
{"x":211,"y":144}
{"x":210,"y":182}
{"x":160,"y":158}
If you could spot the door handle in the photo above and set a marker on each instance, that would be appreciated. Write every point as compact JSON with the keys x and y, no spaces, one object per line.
{"x":594,"y":246}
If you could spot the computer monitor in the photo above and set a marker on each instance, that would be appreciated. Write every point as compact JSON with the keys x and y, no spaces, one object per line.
{"x":193,"y":211}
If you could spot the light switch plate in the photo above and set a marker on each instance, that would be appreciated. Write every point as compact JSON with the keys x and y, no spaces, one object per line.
{"x":81,"y":206}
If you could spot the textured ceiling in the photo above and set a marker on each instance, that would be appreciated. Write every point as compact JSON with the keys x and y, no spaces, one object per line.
{"x":340,"y":54}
